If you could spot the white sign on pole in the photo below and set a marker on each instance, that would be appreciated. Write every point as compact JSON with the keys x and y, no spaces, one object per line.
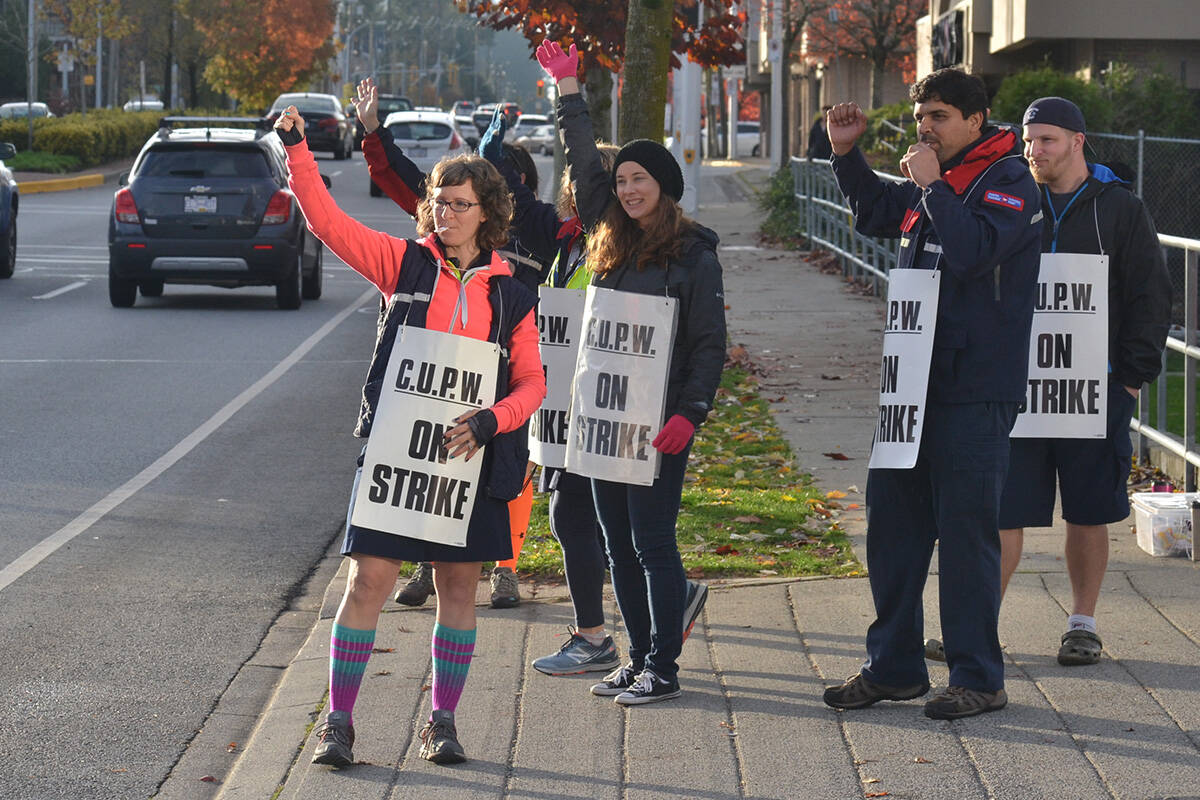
{"x":409,"y":486}
{"x":1067,"y":393}
{"x":909,"y":325}
{"x":620,"y":387}
{"x":560,"y":322}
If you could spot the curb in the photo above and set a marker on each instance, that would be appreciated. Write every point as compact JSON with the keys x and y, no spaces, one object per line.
{"x":61,"y":184}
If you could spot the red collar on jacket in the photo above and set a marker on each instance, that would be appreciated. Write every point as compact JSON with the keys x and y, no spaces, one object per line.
{"x":497,"y":265}
{"x":570,"y":228}
{"x":979,"y":158}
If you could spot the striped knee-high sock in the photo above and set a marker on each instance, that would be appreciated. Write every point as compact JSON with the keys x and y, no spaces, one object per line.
{"x":349,"y":650}
{"x":452,"y":650}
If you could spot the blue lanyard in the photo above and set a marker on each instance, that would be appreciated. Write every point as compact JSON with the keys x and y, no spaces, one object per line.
{"x":1058,"y":217}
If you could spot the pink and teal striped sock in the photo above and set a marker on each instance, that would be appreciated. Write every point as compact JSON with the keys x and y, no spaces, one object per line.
{"x":349,"y":650}
{"x":452,"y":650}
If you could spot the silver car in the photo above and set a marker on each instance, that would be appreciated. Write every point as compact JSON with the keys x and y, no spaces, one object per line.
{"x":538,"y":140}
{"x":426,"y":137}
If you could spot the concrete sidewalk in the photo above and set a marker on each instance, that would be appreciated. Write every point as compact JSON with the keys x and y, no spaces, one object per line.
{"x":751,"y":723}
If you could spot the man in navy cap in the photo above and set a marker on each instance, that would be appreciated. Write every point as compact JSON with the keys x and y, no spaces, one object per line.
{"x":969,"y":210}
{"x":1088,"y":210}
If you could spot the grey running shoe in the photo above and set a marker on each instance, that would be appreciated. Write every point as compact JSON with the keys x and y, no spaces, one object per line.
{"x":648,"y":688}
{"x":956,"y":702}
{"x":579,"y":655}
{"x":419,"y":586}
{"x":505,"y":593}
{"x":439,"y":740}
{"x":616,"y":682}
{"x":335,"y":737}
{"x":858,"y":692}
{"x":697,"y":594}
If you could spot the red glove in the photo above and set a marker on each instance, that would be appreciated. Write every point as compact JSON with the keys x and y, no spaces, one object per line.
{"x":674,"y":436}
{"x":555,"y":62}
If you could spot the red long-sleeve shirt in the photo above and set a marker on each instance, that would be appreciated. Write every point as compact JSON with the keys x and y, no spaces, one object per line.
{"x":459,"y":305}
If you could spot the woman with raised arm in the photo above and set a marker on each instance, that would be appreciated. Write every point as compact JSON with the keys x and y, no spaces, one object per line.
{"x":641,"y":242}
{"x":450,"y":281}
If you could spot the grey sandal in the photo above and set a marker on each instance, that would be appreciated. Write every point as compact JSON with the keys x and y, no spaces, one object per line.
{"x":1079,"y":647}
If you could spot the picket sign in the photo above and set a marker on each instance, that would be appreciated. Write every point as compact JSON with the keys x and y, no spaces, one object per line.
{"x":560,"y":323}
{"x":1067,"y":393}
{"x":620,"y":387}
{"x":909,"y":326}
{"x":409,"y":486}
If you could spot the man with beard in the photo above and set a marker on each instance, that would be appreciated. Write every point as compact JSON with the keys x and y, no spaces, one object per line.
{"x":970,"y":210}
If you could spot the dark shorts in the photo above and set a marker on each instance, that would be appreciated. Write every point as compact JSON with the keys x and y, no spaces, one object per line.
{"x":1091,"y":474}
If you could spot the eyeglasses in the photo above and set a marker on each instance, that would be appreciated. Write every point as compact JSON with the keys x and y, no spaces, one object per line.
{"x":457,"y":206}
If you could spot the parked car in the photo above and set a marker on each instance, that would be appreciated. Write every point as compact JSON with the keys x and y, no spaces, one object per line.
{"x":143,"y":105}
{"x":483,"y":115}
{"x":210,"y":205}
{"x":326,"y":127}
{"x":524,"y":125}
{"x":749,"y":138}
{"x":388,"y":104}
{"x":426,"y":137}
{"x":463,"y":108}
{"x":467,"y":130}
{"x":538,"y":140}
{"x":21,"y":110}
{"x":9,"y":201}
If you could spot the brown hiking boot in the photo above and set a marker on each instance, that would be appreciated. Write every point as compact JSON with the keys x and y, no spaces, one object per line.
{"x":956,"y":702}
{"x":858,"y":692}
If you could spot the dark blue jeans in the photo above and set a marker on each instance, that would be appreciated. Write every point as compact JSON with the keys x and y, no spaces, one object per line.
{"x":647,"y":574}
{"x":951,"y":497}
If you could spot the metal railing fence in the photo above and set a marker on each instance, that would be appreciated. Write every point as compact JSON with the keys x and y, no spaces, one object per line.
{"x":827,"y":223}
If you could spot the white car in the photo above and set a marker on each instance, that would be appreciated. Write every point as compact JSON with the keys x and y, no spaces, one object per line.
{"x":143,"y":105}
{"x":21,"y":110}
{"x":426,"y":137}
{"x":525,"y":125}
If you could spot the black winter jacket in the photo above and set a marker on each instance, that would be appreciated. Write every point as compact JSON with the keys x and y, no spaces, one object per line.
{"x":1106,"y":218}
{"x":979,"y":225}
{"x":694,"y":278}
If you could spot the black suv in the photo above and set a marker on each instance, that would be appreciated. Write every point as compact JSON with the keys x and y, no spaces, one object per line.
{"x":387,"y":104}
{"x":326,"y":126}
{"x":211,"y":206}
{"x":9,"y":200}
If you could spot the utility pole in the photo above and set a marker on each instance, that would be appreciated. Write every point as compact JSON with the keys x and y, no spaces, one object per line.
{"x":31,"y":66}
{"x":99,"y":60}
{"x":777,"y":79}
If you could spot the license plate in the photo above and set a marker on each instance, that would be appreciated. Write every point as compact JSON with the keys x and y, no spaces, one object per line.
{"x":416,"y":152}
{"x":199,"y":204}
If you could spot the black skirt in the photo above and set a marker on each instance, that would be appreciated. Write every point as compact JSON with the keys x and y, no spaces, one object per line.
{"x":488,"y":537}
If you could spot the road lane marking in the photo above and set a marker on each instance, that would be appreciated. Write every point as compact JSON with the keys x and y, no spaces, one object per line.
{"x":62,"y":260}
{"x":70,"y":287}
{"x":48,"y":546}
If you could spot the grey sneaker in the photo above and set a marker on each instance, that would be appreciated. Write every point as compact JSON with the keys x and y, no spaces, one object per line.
{"x":697,"y":594}
{"x":505,"y":593}
{"x":579,"y":655}
{"x":858,"y":692}
{"x":616,"y":682}
{"x":419,"y":586}
{"x":648,"y":688}
{"x":335,"y":738}
{"x":439,"y":740}
{"x":956,"y":702}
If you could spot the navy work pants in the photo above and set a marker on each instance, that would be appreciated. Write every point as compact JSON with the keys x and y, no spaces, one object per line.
{"x":951,"y":496}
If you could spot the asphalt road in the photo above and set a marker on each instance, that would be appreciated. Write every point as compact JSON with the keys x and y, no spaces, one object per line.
{"x":169,"y":475}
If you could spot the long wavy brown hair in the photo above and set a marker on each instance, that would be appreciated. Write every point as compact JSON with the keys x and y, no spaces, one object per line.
{"x":495,"y":201}
{"x":618,"y":239}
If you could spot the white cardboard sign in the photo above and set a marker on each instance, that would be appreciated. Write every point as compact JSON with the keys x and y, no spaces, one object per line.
{"x":560,"y":323}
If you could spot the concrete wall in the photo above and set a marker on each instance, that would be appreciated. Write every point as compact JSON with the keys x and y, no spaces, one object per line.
{"x":1016,"y":22}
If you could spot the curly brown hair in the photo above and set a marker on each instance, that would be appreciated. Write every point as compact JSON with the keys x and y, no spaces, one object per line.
{"x":618,"y":238}
{"x":495,"y":201}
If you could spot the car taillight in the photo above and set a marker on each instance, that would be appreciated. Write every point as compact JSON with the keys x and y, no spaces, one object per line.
{"x":455,"y":142}
{"x":279,"y":209}
{"x":329,"y":123}
{"x":126,"y":208}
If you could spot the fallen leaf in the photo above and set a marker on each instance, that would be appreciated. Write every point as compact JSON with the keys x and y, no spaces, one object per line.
{"x":877,"y":794}
{"x":232,"y":747}
{"x":921,"y":760}
{"x":747,"y":518}
{"x":853,"y":506}
{"x":825,"y":377}
{"x":119,"y":769}
{"x":425,"y":687}
{"x":870,"y":780}
{"x":209,"y":779}
{"x":383,"y":672}
{"x":766,"y":572}
{"x":837,"y":456}
{"x":1129,"y":730}
{"x":383,"y":649}
{"x":835,"y":494}
{"x":726,"y":550}
{"x":725,"y":724}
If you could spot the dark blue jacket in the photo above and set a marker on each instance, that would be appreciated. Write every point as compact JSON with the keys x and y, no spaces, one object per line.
{"x":979,"y":225}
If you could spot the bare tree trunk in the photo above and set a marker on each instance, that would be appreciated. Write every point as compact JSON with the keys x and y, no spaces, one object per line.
{"x":877,"y":78}
{"x":599,"y":83}
{"x":647,"y":65}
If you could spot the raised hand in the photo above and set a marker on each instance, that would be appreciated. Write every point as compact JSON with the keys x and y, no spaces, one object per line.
{"x":844,"y":123}
{"x":555,"y":62}
{"x":290,"y":125}
{"x":366,"y":104}
{"x":492,"y":139}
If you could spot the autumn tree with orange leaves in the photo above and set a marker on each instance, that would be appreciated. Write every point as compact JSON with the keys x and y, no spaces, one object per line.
{"x":881,"y":31}
{"x":261,"y":48}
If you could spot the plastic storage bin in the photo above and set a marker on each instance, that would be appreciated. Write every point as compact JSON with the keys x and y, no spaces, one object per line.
{"x":1164,"y":522}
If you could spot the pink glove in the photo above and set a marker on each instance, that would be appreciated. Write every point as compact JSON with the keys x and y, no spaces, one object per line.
{"x":555,"y":62}
{"x":674,"y":436}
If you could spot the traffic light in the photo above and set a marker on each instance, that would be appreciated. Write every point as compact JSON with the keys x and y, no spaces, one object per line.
{"x":541,"y":88}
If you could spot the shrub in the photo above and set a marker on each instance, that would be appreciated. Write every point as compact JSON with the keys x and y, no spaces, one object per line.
{"x":32,"y":161}
{"x":1022,"y":88}
{"x":1152,"y":101}
{"x":899,"y":115}
{"x":778,"y":200}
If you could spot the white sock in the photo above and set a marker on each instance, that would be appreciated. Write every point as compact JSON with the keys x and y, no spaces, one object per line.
{"x":1077,"y":622}
{"x":595,"y":639}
